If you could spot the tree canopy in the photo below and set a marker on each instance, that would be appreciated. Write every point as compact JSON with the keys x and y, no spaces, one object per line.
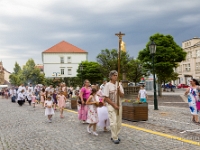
{"x":135,"y":71}
{"x":168,"y":55}
{"x":108,"y":60}
{"x":29,"y":74}
{"x":91,"y":71}
{"x":15,"y":77}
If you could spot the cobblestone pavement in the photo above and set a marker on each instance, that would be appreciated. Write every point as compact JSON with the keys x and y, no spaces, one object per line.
{"x":26,"y":128}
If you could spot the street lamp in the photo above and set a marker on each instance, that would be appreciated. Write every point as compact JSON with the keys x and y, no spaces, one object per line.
{"x":81,"y":69}
{"x":56,"y":74}
{"x":152,"y":48}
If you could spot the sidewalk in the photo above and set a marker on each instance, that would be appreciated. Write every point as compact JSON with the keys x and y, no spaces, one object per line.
{"x":26,"y":128}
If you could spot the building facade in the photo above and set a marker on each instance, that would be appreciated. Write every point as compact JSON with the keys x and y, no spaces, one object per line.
{"x":4,"y":75}
{"x":1,"y":73}
{"x":190,"y":68}
{"x":62,"y":60}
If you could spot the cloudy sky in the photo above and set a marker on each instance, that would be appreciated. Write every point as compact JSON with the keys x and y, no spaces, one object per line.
{"x":27,"y":27}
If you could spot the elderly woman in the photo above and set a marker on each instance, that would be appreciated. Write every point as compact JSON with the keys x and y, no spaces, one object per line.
{"x":84,"y":95}
{"x":193,"y":97}
{"x":21,"y":98}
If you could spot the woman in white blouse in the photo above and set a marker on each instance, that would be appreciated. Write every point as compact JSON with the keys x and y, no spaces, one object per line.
{"x":21,"y":98}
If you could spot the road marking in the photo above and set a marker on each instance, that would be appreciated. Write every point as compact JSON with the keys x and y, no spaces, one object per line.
{"x":154,"y":132}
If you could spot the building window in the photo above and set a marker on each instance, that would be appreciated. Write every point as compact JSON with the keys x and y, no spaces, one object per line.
{"x":198,"y":53}
{"x":69,"y":71}
{"x":69,"y":59}
{"x":62,"y":71}
{"x":187,"y":67}
{"x":61,"y":60}
{"x":197,"y":68}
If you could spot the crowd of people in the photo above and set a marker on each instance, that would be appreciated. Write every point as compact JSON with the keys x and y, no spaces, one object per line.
{"x":97,"y":106}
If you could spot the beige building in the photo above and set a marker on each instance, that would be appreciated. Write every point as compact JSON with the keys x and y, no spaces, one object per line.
{"x":1,"y":73}
{"x":190,"y":68}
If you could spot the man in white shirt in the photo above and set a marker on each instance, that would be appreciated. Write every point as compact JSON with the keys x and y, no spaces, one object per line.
{"x":30,"y":88}
{"x":110,"y":93}
{"x":21,"y":87}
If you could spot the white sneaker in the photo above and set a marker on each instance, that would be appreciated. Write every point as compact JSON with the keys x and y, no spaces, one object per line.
{"x":94,"y":133}
{"x":88,"y":129}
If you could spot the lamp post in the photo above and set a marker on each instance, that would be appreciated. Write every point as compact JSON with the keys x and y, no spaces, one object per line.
{"x":81,"y":69}
{"x":152,"y":48}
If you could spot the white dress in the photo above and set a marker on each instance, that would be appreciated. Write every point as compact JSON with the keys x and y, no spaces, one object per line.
{"x":49,"y":111}
{"x":92,"y":116}
{"x":102,"y":113}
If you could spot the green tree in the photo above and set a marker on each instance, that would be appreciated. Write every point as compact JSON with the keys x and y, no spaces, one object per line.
{"x":167,"y":56}
{"x":91,"y":71}
{"x":136,"y":71}
{"x":31,"y":74}
{"x":15,"y":77}
{"x":108,"y":59}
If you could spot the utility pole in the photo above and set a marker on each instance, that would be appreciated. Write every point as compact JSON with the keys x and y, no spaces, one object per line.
{"x":119,"y":54}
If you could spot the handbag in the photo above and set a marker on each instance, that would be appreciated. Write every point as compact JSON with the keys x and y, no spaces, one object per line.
{"x":79,"y":100}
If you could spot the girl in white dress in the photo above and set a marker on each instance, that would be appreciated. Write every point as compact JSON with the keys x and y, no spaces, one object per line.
{"x":92,"y":116}
{"x":49,"y":108}
{"x":102,"y":113}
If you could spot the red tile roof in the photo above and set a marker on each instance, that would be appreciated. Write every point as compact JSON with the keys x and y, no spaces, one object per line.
{"x":64,"y":47}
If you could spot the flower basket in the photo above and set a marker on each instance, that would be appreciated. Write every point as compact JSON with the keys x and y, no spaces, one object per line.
{"x":135,"y":111}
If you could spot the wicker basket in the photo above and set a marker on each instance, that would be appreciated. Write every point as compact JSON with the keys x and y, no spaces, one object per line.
{"x":135,"y":111}
{"x":73,"y":103}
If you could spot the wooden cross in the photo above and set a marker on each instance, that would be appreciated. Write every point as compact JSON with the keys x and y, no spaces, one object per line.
{"x":119,"y":53}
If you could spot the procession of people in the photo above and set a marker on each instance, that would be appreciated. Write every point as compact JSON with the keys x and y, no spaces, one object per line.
{"x":96,"y":104}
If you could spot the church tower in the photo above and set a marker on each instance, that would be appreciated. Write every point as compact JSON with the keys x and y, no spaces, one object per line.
{"x":1,"y":73}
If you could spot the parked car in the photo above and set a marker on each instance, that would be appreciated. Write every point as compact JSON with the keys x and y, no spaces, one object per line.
{"x":182,"y":86}
{"x":131,"y":84}
{"x":140,"y":83}
{"x":167,"y":86}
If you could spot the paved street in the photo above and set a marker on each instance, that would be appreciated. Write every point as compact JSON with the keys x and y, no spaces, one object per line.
{"x":26,"y":128}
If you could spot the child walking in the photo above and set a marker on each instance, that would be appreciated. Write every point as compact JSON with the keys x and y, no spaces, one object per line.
{"x":102,"y":113}
{"x":142,"y":95}
{"x":61,"y":103}
{"x":55,"y":102}
{"x":92,"y":117}
{"x":33,"y":99}
{"x":49,"y":108}
{"x":29,"y":96}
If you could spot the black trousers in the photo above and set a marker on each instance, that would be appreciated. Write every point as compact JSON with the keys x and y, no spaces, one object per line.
{"x":21,"y":102}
